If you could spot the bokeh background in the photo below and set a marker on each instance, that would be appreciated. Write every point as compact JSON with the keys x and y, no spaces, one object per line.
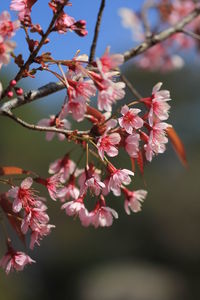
{"x":152,"y":255}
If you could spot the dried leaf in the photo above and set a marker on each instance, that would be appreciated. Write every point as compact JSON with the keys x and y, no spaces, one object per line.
{"x":12,"y":171}
{"x":132,"y":164}
{"x":140,"y":162}
{"x":13,"y":218}
{"x":177,"y":145}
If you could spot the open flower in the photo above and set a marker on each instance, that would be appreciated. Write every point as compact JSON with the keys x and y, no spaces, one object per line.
{"x":117,"y":178}
{"x":132,"y":144}
{"x":15,"y":260}
{"x":7,"y":27}
{"x":102,"y":215}
{"x":130,"y":119}
{"x":23,"y":196}
{"x":39,"y":232}
{"x":64,"y":166}
{"x":111,"y":61}
{"x":159,"y":106}
{"x":73,"y":208}
{"x":6,"y":47}
{"x":133,"y":200}
{"x":157,"y":140}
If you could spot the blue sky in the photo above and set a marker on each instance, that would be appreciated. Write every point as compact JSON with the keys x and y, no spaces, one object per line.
{"x":65,"y":46}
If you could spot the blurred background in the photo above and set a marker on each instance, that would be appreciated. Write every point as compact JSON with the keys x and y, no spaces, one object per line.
{"x":152,"y":255}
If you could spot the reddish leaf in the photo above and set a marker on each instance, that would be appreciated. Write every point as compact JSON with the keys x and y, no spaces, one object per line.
{"x":13,"y":218}
{"x":177,"y":144}
{"x":132,"y":164}
{"x":12,"y":171}
{"x":140,"y":162}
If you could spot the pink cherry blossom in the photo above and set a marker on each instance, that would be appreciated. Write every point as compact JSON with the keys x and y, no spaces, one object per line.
{"x":15,"y":260}
{"x":133,"y":200}
{"x":157,"y":140}
{"x":179,"y":10}
{"x":74,"y":207}
{"x":69,"y":190}
{"x":130,"y":119}
{"x":157,"y":58}
{"x":81,"y":88}
{"x":23,"y":7}
{"x":108,"y":94}
{"x":108,"y":90}
{"x":117,"y":178}
{"x":77,"y":107}
{"x":54,"y":121}
{"x":107,"y":143}
{"x":64,"y":166}
{"x":53,"y":184}
{"x":110,"y":61}
{"x":79,"y":93}
{"x":132,"y":21}
{"x":34,"y":218}
{"x":64,"y":23}
{"x":102,"y":215}
{"x":39,"y":232}
{"x":159,"y":106}
{"x":132,"y":144}
{"x":23,"y":196}
{"x":7,"y":27}
{"x":6,"y":47}
{"x":90,"y":179}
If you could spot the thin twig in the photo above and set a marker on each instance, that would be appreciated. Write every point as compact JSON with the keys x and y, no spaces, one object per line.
{"x":37,"y":49}
{"x":96,"y":32}
{"x":77,"y":134}
{"x":144,"y":14}
{"x":191,"y":34}
{"x":131,"y":88}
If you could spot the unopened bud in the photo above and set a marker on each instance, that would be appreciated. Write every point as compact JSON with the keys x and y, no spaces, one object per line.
{"x":13,"y":82}
{"x":19,"y":91}
{"x":9,"y":94}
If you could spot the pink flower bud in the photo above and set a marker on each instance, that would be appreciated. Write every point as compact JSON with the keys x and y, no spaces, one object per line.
{"x":19,"y":91}
{"x":13,"y":82}
{"x":9,"y":94}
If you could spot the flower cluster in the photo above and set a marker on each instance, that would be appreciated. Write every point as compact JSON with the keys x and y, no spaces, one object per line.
{"x":7,"y":30}
{"x":35,"y":217}
{"x":93,"y":90}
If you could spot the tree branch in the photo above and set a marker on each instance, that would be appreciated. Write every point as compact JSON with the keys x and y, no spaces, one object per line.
{"x":157,"y":38}
{"x":96,"y":32}
{"x":68,"y":133}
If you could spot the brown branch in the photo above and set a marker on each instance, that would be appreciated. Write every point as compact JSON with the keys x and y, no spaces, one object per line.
{"x":162,"y":36}
{"x":191,"y":34}
{"x":96,"y":32}
{"x":33,"y":95}
{"x":131,"y":88}
{"x":37,"y":49}
{"x":144,"y":15}
{"x":69,"y":133}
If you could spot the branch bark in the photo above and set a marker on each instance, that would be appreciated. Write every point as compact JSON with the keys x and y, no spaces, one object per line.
{"x":96,"y":32}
